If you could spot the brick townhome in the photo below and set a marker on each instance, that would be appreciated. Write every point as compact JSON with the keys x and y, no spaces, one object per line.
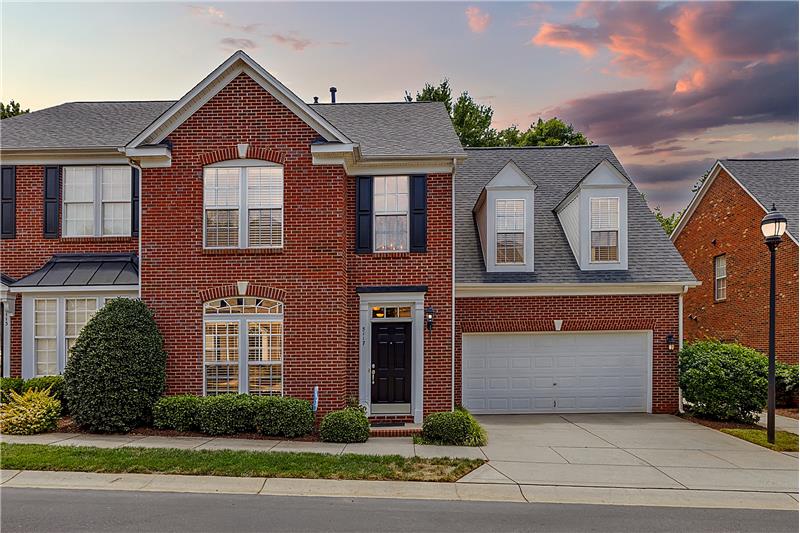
{"x":719,"y":237}
{"x":353,"y":247}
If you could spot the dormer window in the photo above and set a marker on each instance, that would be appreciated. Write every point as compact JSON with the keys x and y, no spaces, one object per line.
{"x":510,"y":227}
{"x":605,"y":230}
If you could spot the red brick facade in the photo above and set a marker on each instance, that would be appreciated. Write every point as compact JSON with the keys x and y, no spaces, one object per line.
{"x":727,"y":221}
{"x":658,"y":313}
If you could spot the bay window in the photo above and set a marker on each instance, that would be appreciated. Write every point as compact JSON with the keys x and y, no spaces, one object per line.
{"x":243,"y":206}
{"x":96,"y":201}
{"x":243,"y":346}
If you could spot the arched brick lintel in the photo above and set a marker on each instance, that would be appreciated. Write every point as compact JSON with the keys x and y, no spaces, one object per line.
{"x":232,"y":290}
{"x":253,"y":152}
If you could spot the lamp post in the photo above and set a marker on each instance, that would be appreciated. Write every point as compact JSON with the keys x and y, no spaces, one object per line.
{"x":773,"y":225}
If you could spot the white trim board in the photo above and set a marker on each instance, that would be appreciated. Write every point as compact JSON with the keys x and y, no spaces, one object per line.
{"x":699,"y":195}
{"x":201,"y":93}
{"x":483,"y":290}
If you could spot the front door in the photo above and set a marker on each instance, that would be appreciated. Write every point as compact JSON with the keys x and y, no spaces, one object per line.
{"x":391,"y":363}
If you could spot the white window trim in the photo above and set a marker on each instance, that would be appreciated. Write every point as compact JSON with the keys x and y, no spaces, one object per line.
{"x":407,"y":214}
{"x":717,"y":278}
{"x":617,"y":229}
{"x":97,"y":205}
{"x":243,"y":208}
{"x":243,"y":321}
{"x":28,"y":329}
{"x":524,"y":232}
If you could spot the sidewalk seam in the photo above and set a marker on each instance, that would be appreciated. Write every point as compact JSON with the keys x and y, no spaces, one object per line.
{"x":12,"y":477}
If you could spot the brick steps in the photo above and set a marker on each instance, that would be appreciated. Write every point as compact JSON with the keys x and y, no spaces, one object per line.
{"x":405,"y":430}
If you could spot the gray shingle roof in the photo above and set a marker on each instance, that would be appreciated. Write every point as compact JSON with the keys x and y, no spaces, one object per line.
{"x":77,"y":270}
{"x":771,"y":180}
{"x":393,"y":129}
{"x":399,"y":128}
{"x":556,"y":170}
{"x":80,"y":125}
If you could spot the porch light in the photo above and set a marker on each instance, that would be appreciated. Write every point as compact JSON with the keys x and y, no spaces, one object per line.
{"x":429,"y":312}
{"x":773,"y":225}
{"x":671,"y":342}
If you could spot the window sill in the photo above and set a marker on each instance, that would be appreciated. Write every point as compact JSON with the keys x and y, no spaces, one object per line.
{"x":97,"y":239}
{"x":242,"y":251}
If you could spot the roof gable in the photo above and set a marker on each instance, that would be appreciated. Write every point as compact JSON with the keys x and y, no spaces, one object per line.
{"x":238,"y":63}
{"x":511,"y":176}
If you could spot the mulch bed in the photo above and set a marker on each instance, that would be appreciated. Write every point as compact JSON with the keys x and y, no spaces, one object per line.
{"x":717,"y":424}
{"x":790,"y":413}
{"x":67,"y":425}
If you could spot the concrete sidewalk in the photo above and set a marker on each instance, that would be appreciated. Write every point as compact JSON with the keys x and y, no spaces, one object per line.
{"x":396,"y":489}
{"x":403,"y":446}
{"x":782,"y":423}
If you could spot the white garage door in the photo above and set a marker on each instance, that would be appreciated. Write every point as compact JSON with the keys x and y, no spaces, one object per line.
{"x":555,"y":372}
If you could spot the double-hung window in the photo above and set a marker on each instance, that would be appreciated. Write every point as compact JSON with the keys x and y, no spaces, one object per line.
{"x":97,"y":201}
{"x":605,"y":230}
{"x":510,"y":230}
{"x":391,"y":213}
{"x":720,"y":278}
{"x":243,"y":346}
{"x":243,"y":207}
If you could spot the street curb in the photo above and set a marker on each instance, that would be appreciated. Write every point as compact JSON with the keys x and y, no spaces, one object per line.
{"x":416,"y":490}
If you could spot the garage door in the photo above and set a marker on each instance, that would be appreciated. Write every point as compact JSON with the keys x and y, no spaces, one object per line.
{"x":555,"y":372}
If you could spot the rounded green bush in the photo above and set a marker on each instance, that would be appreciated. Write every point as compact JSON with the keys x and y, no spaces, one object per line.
{"x":282,"y":416}
{"x":786,"y":384}
{"x":54,"y":383}
{"x":447,"y":428}
{"x":226,"y":414}
{"x":117,"y":368}
{"x":347,"y":425}
{"x":180,"y":413}
{"x":723,"y":381}
{"x":7,"y":385}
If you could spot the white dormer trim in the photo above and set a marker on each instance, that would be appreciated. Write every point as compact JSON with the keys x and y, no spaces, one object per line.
{"x":510,"y":183}
{"x":201,"y":93}
{"x":575,"y":215}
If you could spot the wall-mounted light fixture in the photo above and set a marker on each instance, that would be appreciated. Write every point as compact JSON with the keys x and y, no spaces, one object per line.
{"x":671,"y":342}
{"x":429,"y":312}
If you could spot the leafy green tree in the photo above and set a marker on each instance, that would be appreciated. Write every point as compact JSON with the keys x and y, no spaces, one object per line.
{"x":473,"y":122}
{"x":667,"y":222}
{"x":553,"y":132}
{"x":11,"y":109}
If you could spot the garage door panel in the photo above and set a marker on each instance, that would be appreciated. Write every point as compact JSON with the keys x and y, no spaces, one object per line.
{"x":558,"y":372}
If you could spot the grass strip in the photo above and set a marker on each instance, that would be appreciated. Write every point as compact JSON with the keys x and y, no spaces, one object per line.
{"x":232,"y":463}
{"x":784,"y":441}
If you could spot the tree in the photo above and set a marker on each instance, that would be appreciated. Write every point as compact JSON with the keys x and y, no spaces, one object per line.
{"x":11,"y":109}
{"x":667,"y":222}
{"x":473,"y":122}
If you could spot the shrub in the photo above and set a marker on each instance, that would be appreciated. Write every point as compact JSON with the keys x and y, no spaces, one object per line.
{"x":116,"y":370}
{"x":458,"y":428}
{"x":282,"y":417}
{"x":786,"y":384}
{"x":181,"y":413}
{"x":226,"y":414}
{"x":53,"y":383}
{"x":347,"y":425}
{"x":33,"y":411}
{"x":7,"y":385}
{"x":723,"y":381}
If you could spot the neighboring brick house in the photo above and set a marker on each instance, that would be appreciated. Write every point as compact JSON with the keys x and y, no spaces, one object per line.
{"x":719,"y":237}
{"x":287,"y":246}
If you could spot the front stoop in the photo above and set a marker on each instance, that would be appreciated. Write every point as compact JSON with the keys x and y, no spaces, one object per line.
{"x":404,"y":430}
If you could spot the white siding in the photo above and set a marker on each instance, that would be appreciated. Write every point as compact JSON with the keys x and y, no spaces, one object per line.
{"x":570,"y":219}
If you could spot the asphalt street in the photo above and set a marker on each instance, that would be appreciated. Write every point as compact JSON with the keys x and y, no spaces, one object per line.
{"x":44,"y":510}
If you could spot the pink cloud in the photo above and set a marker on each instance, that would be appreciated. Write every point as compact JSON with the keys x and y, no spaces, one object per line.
{"x":477,"y":20}
{"x":566,"y":37}
{"x":292,"y":41}
{"x":210,"y":11}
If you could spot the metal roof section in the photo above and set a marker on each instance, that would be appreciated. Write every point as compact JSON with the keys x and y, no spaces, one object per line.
{"x":84,"y":270}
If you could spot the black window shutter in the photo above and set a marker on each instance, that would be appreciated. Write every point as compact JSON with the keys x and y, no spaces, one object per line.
{"x":8,"y":203}
{"x":418,"y":210}
{"x":364,"y":214}
{"x":52,"y":201}
{"x":134,"y":202}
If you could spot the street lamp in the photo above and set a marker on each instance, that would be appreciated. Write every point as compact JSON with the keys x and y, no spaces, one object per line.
{"x":773,"y":225}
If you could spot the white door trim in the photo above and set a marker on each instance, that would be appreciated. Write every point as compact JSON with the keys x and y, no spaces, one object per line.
{"x":417,"y":302}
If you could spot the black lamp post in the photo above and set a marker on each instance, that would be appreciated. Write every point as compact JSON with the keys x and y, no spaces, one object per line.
{"x":773,"y":225}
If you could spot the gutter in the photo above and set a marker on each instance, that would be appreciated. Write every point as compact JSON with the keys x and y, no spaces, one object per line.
{"x":141,"y":178}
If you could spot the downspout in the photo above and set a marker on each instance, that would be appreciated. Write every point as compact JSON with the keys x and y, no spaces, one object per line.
{"x":141,"y":177}
{"x":680,"y":342}
{"x":453,"y":288}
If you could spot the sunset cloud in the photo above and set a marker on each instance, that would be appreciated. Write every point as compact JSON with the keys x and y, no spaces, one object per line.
{"x":292,"y":41}
{"x":237,"y":44}
{"x":477,"y":20}
{"x":209,"y":11}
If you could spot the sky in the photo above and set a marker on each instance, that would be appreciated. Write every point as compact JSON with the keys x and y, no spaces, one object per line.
{"x":670,"y":86}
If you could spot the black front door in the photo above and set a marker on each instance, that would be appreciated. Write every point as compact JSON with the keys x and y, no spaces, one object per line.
{"x":391,"y":362}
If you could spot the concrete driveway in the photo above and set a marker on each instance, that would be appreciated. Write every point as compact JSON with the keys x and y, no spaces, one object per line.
{"x":627,"y":451}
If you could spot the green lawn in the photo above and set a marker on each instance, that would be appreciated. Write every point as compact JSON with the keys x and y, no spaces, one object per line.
{"x":784,"y":441}
{"x":233,"y":463}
